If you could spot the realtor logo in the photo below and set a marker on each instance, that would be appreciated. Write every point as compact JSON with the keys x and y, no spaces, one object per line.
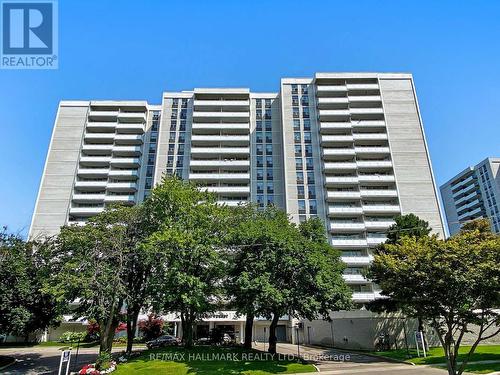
{"x":29,"y":35}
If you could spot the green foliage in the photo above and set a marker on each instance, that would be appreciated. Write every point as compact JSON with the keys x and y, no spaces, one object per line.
{"x":70,"y":337}
{"x":24,"y":305}
{"x":103,"y":361}
{"x":452,"y":284}
{"x":408,"y":225}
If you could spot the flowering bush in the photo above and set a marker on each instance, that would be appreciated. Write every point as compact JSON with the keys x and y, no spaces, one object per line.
{"x":91,"y":369}
{"x":151,"y":328}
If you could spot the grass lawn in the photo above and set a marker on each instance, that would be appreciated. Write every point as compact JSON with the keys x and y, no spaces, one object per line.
{"x":200,"y":361}
{"x":436,"y":355}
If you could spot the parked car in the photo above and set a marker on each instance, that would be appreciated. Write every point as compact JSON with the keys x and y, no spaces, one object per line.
{"x":163,"y":341}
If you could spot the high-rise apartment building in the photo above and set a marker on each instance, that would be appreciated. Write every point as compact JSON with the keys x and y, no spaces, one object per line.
{"x":346,"y":147}
{"x":473,"y":194}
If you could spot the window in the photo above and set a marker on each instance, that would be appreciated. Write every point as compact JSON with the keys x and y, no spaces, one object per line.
{"x":302,"y":206}
{"x":258,"y":113}
{"x":296,"y":124}
{"x":295,"y":100}
{"x":258,"y":103}
{"x":173,"y":124}
{"x":175,"y":103}
{"x":151,"y":159}
{"x":184,"y":103}
{"x":313,"y":208}
{"x":172,"y":137}
{"x":260,"y":187}
{"x":171,"y":148}
{"x":308,"y":150}
{"x":260,"y":174}
{"x":178,"y":172}
{"x":304,"y":89}
{"x":149,"y":171}
{"x":304,"y":100}
{"x":183,"y":113}
{"x":312,"y":192}
{"x":258,"y":125}
{"x":269,"y":126}
{"x":269,"y":149}
{"x":260,"y":200}
{"x":307,"y":137}
{"x":258,"y":137}
{"x":268,"y":103}
{"x":269,"y":137}
{"x":296,"y":113}
{"x":309,"y":164}
{"x":270,"y":200}
{"x":296,"y":137}
{"x":307,"y":124}
{"x":260,"y":161}
{"x":298,"y":164}
{"x":269,"y":161}
{"x":180,"y":161}
{"x":305,"y":112}
{"x":180,"y":150}
{"x":182,"y":127}
{"x":182,"y":137}
{"x":174,"y":114}
{"x":310,"y":178}
{"x":302,"y":218}
{"x":300,"y":192}
{"x":295,"y":89}
{"x":270,"y":188}
{"x":170,"y":161}
{"x":298,"y":150}
{"x":267,"y":115}
{"x":300,"y":178}
{"x":259,"y":149}
{"x":269,"y":174}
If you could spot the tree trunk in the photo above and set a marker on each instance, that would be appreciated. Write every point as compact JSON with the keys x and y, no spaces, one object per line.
{"x":107,"y":329}
{"x":132,"y":317}
{"x":247,"y":344}
{"x":422,"y":329}
{"x":272,"y":333}
{"x":187,"y":335}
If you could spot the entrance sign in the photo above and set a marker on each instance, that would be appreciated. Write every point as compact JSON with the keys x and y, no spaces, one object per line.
{"x":419,"y":341}
{"x":65,"y":358}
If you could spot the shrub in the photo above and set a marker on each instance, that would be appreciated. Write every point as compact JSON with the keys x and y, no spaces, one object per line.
{"x":73,"y":336}
{"x":151,"y":328}
{"x":92,"y":331}
{"x":103,"y":361}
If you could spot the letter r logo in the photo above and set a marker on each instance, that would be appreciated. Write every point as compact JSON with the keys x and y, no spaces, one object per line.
{"x":27,"y":28}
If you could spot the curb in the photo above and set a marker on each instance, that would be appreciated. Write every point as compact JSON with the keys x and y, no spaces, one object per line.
{"x":13,"y":360}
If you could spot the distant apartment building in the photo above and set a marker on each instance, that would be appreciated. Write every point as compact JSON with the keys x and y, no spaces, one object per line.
{"x":346,"y":147}
{"x":473,"y":193}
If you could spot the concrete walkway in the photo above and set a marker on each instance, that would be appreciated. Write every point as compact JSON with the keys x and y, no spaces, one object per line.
{"x":337,"y":362}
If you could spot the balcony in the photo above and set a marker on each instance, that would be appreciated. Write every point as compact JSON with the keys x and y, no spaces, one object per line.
{"x":474,"y":194}
{"x":227,"y":164}
{"x":367,"y":111}
{"x":124,"y":174}
{"x":378,"y":224}
{"x":326,"y":127}
{"x":374,"y":164}
{"x":241,"y":127}
{"x":339,"y":195}
{"x":336,"y":138}
{"x":128,"y":139}
{"x":348,"y":243}
{"x":94,"y":161}
{"x":328,"y":90}
{"x":329,"y":102}
{"x":91,"y":185}
{"x":93,"y":172}
{"x":357,"y":260}
{"x":219,"y":176}
{"x":464,"y":190}
{"x":346,"y":227}
{"x":228,"y":189}
{"x":372,"y":150}
{"x":370,"y":136}
{"x":220,"y":150}
{"x":468,"y":214}
{"x":354,"y":279}
{"x":101,"y":149}
{"x":345,"y":211}
{"x":336,"y":152}
{"x":125,"y":162}
{"x":331,"y":166}
{"x":379,"y":193}
{"x":231,"y":203}
{"x":128,"y":199}
{"x":127,"y":150}
{"x":88,"y":198}
{"x":130,"y":128}
{"x":368,"y":124}
{"x":376,"y":178}
{"x":362,"y":86}
{"x":101,"y":127}
{"x":363,"y":297}
{"x":132,"y":117}
{"x":221,"y":103}
{"x":329,"y":113}
{"x":85,"y":211}
{"x":103,"y":115}
{"x":375,"y":240}
{"x":99,"y":137}
{"x":122,"y":186}
{"x":340,"y":180}
{"x":235,"y":116}
{"x":217,"y":139}
{"x":381,"y":208}
{"x":364,"y":98}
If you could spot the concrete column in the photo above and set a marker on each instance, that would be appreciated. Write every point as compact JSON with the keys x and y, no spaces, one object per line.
{"x":175,"y":329}
{"x":242,"y":332}
{"x":179,"y":331}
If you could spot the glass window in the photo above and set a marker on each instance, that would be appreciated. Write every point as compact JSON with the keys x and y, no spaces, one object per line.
{"x":183,"y":113}
{"x":258,"y":113}
{"x":258,"y":137}
{"x":269,"y":161}
{"x":296,"y":137}
{"x":269,"y":174}
{"x":304,"y":89}
{"x":307,"y":124}
{"x":270,"y":188}
{"x":308,"y":150}
{"x":301,"y":192}
{"x":172,"y":137}
{"x":258,"y":125}
{"x":269,"y":149}
{"x":300,"y":178}
{"x":307,"y":137}
{"x":260,"y":174}
{"x":152,"y":147}
{"x":258,"y":103}
{"x":267,"y":115}
{"x":260,"y":200}
{"x":180,"y":161}
{"x":298,"y":164}
{"x":305,"y":112}
{"x":296,"y":124}
{"x":259,"y":149}
{"x":171,"y":148}
{"x":298,"y":150}
{"x":260,"y":187}
{"x":260,"y":161}
{"x":302,"y":206}
{"x":304,"y":100}
{"x":269,"y":137}
{"x":182,"y":137}
{"x":175,"y":103}
{"x":182,"y":127}
{"x":309,"y":164}
{"x":295,"y":100}
{"x":296,"y":113}
{"x":270,"y":200}
{"x":149,"y":183}
{"x":180,"y":150}
{"x":173,"y":114}
{"x":269,"y":125}
{"x":311,"y":192}
{"x":313,"y":207}
{"x":295,"y":89}
{"x":149,"y":171}
{"x":268,"y":103}
{"x":310,"y":177}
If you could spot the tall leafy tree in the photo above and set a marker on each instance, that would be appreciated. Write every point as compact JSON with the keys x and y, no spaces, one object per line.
{"x":25,"y":307}
{"x":409,"y":225}
{"x":454,"y":285}
{"x":189,"y":240}
{"x":280,"y":270}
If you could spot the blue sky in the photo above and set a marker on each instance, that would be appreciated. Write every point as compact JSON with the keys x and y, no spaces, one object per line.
{"x":136,"y":50}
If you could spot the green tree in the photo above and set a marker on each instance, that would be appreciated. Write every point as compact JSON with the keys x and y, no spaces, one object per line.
{"x":24,"y":306}
{"x":408,"y":225}
{"x":279,"y":271}
{"x":454,"y":285}
{"x":100,"y":266}
{"x":189,"y":241}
